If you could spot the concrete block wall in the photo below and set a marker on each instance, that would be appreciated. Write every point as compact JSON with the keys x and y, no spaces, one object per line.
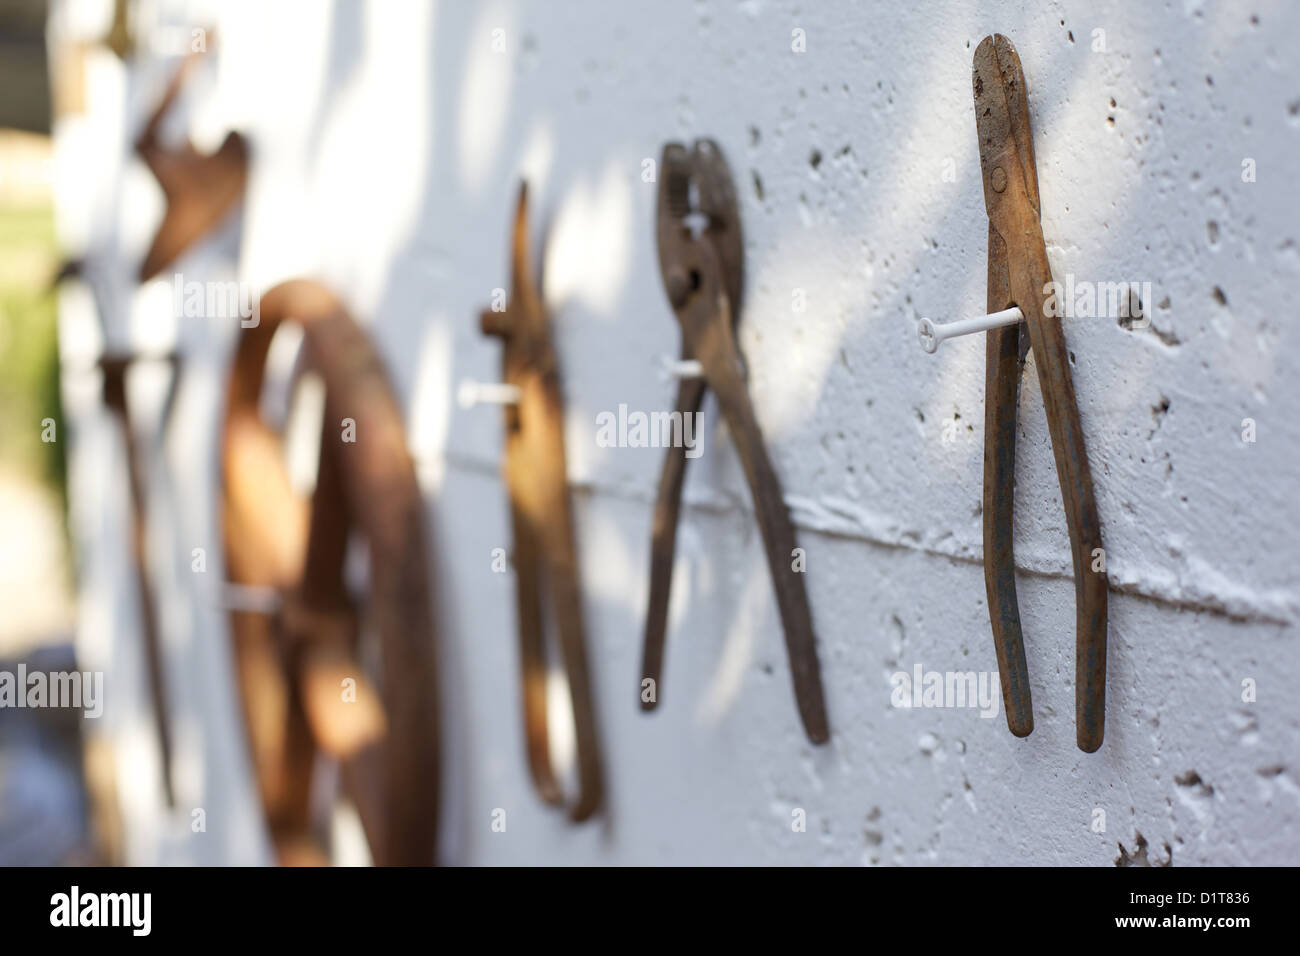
{"x":388,"y":141}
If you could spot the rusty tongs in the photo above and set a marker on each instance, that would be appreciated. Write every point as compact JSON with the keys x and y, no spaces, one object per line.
{"x":542,"y":520}
{"x":701,"y":257}
{"x":1019,"y":276}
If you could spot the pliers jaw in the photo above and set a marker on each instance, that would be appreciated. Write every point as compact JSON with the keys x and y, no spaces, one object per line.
{"x":697,"y":208}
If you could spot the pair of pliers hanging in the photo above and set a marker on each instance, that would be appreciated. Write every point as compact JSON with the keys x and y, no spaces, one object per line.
{"x":1019,"y":276}
{"x":701,"y":257}
{"x":541,"y":516}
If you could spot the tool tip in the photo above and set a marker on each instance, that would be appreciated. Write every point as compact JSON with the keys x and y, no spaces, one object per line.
{"x":1089,"y":743}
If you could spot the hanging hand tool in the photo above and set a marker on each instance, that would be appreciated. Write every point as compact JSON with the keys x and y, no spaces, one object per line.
{"x":1019,"y":276}
{"x":702,"y":273}
{"x":120,"y":38}
{"x":542,"y":519}
{"x":199,"y":190}
{"x":297,"y":664}
{"x":113,"y":368}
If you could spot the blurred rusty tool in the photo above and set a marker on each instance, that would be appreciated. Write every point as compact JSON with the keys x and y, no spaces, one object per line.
{"x":200,"y":190}
{"x":542,"y":519}
{"x":1018,"y":276}
{"x":701,"y":257}
{"x":297,"y":663}
{"x":113,"y":368}
{"x":120,"y":38}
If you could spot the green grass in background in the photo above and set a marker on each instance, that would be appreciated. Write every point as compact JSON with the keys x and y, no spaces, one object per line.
{"x":29,"y":356}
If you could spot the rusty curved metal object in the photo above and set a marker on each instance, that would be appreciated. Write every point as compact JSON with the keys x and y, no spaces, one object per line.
{"x":200,"y":189}
{"x":294,"y":664}
{"x":702,"y":273}
{"x":542,"y":520}
{"x":1019,"y":275}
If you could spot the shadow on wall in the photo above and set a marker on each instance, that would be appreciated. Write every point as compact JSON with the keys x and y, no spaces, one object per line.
{"x":44,"y":814}
{"x":479,"y":119}
{"x":483,"y":119}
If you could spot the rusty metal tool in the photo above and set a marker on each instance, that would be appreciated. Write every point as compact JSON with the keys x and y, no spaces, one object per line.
{"x":113,"y":369}
{"x":1019,"y":276}
{"x":542,"y":519}
{"x":701,"y":258}
{"x":297,"y":662}
{"x":120,"y":37}
{"x":200,"y":190}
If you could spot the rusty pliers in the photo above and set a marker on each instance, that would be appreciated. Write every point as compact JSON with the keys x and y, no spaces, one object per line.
{"x":701,"y":256}
{"x":1019,"y":275}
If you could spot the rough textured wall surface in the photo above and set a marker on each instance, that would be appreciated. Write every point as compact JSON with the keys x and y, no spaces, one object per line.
{"x":388,"y":141}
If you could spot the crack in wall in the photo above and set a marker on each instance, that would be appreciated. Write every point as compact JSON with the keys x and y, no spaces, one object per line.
{"x":1207,"y":593}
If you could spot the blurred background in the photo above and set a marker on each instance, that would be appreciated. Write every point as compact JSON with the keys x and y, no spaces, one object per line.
{"x":377,"y":148}
{"x":44,"y":815}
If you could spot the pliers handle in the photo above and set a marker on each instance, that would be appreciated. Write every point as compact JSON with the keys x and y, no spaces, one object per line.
{"x":1019,"y":275}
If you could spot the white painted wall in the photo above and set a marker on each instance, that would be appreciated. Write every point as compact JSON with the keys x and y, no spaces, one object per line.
{"x":388,"y":139}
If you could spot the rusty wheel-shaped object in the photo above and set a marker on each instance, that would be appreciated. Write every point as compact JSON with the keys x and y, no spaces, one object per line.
{"x":303,"y":688}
